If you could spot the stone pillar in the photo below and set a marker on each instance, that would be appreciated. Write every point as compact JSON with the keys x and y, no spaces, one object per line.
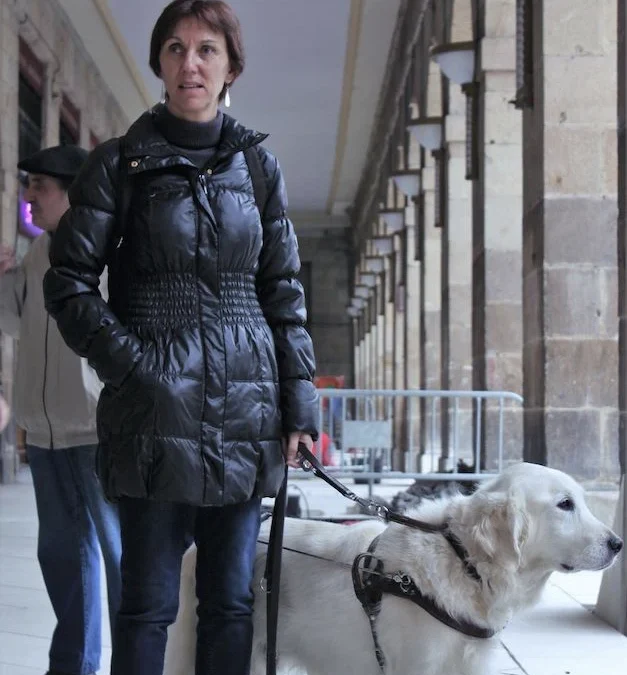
{"x":621,"y":34}
{"x":432,"y":303}
{"x":51,"y":108}
{"x":389,"y":323}
{"x":371,"y":340}
{"x":432,"y":279}
{"x":459,"y":233}
{"x":459,"y":251}
{"x":413,"y":331}
{"x":9,"y":69}
{"x":612,"y":601}
{"x":497,"y":237}
{"x":570,"y":263}
{"x":360,"y":377}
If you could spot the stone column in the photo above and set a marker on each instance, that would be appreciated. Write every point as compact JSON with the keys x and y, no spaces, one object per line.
{"x":389,"y":323}
{"x":413,"y":331}
{"x":51,"y":108}
{"x":432,"y":300}
{"x":459,"y":233}
{"x":365,"y":350}
{"x":432,"y":280}
{"x":497,"y":237}
{"x":612,"y":601}
{"x":379,"y":331}
{"x":570,"y":263}
{"x":372,"y":343}
{"x":459,"y":250}
{"x":9,"y":83}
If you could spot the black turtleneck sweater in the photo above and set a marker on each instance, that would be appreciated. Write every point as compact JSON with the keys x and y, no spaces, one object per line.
{"x":198,"y":141}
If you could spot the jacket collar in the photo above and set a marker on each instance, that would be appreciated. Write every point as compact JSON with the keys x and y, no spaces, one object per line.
{"x":143,"y":139}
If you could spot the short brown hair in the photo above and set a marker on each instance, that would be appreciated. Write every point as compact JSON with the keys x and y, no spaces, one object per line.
{"x":216,"y":14}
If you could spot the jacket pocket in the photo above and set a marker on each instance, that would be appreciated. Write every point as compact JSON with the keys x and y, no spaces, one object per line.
{"x":139,"y":373}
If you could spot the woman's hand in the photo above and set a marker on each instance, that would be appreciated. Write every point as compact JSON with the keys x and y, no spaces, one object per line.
{"x":290,"y":447}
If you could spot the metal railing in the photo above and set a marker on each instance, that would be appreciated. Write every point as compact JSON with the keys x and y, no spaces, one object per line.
{"x":420,"y":434}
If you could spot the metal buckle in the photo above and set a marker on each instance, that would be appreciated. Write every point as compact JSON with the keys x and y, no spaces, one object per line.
{"x":403,"y":580}
{"x":305,"y":464}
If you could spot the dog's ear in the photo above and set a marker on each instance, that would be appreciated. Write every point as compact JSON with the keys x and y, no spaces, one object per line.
{"x":501,"y":526}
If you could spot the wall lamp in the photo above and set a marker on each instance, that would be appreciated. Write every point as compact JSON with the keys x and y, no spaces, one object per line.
{"x":394,"y":220}
{"x":374,"y":264}
{"x":383,"y":245}
{"x":368,"y":279}
{"x":427,"y":131}
{"x":358,"y":303}
{"x":408,"y":182}
{"x":457,"y":62}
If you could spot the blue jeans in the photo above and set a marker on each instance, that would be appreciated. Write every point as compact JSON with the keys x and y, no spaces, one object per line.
{"x":154,"y":537}
{"x":75,"y":524}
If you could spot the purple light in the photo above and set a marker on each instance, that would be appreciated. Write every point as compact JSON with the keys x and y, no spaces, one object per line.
{"x":26,"y":225}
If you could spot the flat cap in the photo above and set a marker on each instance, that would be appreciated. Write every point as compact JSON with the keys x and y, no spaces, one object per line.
{"x":61,"y":161}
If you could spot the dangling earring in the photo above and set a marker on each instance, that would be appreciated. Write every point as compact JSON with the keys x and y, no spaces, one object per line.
{"x":164,"y":96}
{"x":227,"y":98}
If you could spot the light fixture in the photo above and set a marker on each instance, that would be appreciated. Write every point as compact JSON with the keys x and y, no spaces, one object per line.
{"x":368,"y":279}
{"x":383,"y":245}
{"x":408,"y":182}
{"x":427,"y":131}
{"x":456,"y":61}
{"x":394,"y":220}
{"x":374,"y":264}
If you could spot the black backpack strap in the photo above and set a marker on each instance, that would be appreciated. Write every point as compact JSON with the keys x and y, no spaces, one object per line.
{"x":258,"y":178}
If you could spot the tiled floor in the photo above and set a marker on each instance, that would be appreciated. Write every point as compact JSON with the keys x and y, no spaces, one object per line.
{"x":560,"y":637}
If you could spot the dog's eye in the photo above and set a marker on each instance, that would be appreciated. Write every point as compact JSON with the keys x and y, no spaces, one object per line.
{"x":566,"y":504}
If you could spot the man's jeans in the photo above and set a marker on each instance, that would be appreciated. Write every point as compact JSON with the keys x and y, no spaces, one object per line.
{"x":154,"y":538}
{"x":75,"y":524}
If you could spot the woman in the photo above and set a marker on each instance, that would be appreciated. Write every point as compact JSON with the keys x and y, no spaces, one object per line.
{"x":208,"y":369}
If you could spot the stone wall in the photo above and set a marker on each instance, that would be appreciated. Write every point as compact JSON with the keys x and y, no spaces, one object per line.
{"x":570,"y":263}
{"x":329,"y":325}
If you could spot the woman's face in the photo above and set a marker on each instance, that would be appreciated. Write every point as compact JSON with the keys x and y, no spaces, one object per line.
{"x":194,"y":68}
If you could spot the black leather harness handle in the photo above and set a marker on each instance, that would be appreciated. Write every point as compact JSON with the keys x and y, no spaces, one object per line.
{"x":273,"y":575}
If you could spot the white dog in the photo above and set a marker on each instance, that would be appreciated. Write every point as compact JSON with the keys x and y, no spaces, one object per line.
{"x":516,"y":530}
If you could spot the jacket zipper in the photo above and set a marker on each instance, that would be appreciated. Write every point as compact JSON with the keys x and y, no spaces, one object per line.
{"x":45,"y":381}
{"x":203,"y":184}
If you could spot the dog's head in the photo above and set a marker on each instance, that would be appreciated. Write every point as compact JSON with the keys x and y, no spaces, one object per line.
{"x":536,"y":517}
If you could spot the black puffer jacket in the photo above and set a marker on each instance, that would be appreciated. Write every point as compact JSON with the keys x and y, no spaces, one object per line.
{"x":202,"y":347}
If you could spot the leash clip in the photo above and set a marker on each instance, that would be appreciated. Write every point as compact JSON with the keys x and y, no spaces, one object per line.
{"x":403,"y":580}
{"x":305,"y":464}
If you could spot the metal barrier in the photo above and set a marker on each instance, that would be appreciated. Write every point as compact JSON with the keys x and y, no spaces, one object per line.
{"x":421,"y":434}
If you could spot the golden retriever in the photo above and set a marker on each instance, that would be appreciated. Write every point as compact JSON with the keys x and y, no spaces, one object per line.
{"x":517,"y":529}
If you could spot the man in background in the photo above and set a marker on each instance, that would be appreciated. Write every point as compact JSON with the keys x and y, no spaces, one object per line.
{"x":55,"y":400}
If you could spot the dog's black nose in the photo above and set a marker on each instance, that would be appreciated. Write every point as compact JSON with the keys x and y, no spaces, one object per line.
{"x":615,"y":544}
